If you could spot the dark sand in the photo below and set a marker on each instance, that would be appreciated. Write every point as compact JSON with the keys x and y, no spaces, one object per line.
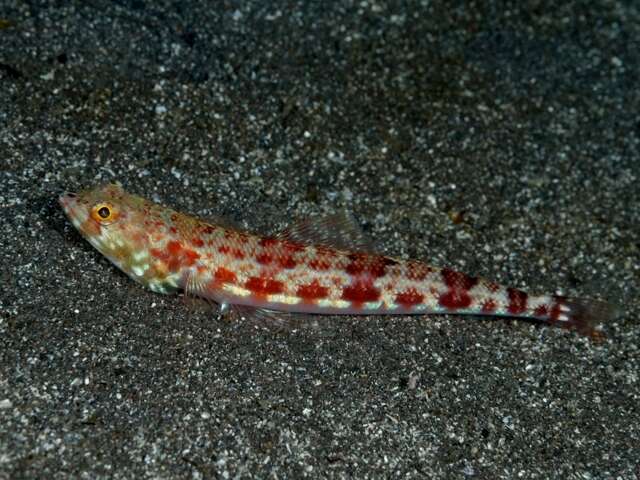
{"x":501,"y":141}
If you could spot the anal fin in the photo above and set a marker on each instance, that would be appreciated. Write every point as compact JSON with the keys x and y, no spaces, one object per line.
{"x":273,"y":319}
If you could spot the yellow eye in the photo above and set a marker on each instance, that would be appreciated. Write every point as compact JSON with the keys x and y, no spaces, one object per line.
{"x":104,"y":213}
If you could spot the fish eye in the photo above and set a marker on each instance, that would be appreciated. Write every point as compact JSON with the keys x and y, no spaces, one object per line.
{"x":104,"y":213}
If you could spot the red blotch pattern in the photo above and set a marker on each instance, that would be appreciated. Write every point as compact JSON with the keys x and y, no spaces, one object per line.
{"x":417,"y":271}
{"x":287,"y":262}
{"x":267,"y":242}
{"x":243,"y":237}
{"x":236,"y":252}
{"x":458,"y":280}
{"x":190,"y":257}
{"x":375,"y":265}
{"x":360,"y":292}
{"x":157,"y":253}
{"x":454,"y":299}
{"x":264,"y":286}
{"x":409,"y":298}
{"x":312,"y":291}
{"x":264,"y":258}
{"x":489,"y":306}
{"x":541,"y":311}
{"x":459,"y":284}
{"x":225,"y":275}
{"x":517,"y":301}
{"x":319,"y":264}
{"x":294,"y":247}
{"x":555,"y":312}
{"x":175,"y":256}
{"x":174,"y":247}
{"x":357,"y":264}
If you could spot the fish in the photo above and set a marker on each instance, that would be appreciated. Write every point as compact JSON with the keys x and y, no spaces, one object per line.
{"x":317,"y":266}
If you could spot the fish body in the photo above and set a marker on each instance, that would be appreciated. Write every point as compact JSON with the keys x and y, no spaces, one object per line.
{"x":308,"y":268}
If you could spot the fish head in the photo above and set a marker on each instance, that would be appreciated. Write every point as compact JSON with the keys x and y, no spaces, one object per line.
{"x":115,"y":223}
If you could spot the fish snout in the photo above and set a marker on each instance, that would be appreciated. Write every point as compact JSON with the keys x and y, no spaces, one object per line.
{"x":67,"y":199}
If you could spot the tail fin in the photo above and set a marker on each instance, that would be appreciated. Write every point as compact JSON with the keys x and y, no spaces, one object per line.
{"x":581,"y":314}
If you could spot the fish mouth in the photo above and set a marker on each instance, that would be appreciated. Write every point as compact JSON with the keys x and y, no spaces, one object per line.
{"x":69,"y":203}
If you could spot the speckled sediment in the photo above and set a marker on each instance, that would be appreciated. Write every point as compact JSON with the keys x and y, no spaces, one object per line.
{"x":496,"y":139}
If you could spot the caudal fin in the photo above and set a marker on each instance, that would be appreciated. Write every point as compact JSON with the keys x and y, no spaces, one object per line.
{"x":581,"y":314}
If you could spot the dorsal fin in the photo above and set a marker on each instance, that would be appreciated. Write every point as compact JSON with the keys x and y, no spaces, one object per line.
{"x":223,"y":222}
{"x":338,"y":230}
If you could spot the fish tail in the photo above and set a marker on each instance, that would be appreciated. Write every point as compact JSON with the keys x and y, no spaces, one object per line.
{"x":583,"y":315}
